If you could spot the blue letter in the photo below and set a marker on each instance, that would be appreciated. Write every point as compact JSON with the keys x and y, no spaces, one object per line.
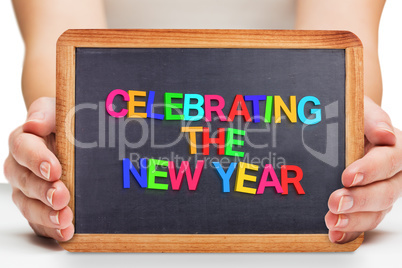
{"x":193,"y":106}
{"x":317,"y":112}
{"x":256,"y":105}
{"x":225,"y":176}
{"x":128,"y":167}
{"x":150,"y":104}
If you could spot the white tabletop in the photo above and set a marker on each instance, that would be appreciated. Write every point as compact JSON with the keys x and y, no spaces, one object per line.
{"x":19,"y":247}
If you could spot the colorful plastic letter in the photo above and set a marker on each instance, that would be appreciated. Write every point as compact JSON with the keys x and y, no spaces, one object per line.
{"x":230,"y":141}
{"x":132,"y":103}
{"x":218,"y":109}
{"x":290,"y":113}
{"x":220,"y":141}
{"x":256,"y":105}
{"x":243,"y":109}
{"x":192,"y":181}
{"x":193,"y":106}
{"x":225,"y":176}
{"x":140,"y":178}
{"x":150,"y":104}
{"x":317,"y":112}
{"x":295,"y":181}
{"x":169,"y":106}
{"x":193,"y":139}
{"x":153,"y":173}
{"x":269,"y":170}
{"x":268,"y":109}
{"x":241,"y":177}
{"x":109,"y":103}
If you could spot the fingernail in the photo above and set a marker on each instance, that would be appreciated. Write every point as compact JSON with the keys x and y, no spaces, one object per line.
{"x":59,"y":233}
{"x":340,"y":239}
{"x":386,"y":127}
{"x":49,"y":195}
{"x":357,"y":179}
{"x":345,"y":203}
{"x":36,"y":116}
{"x":45,"y":170}
{"x":342,"y":221}
{"x":54,"y":217}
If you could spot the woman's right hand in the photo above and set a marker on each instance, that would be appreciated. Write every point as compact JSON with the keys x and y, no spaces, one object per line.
{"x":34,"y":172}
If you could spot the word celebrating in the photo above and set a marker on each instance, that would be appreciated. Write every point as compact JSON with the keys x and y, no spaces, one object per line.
{"x":147,"y":174}
{"x":203,"y":107}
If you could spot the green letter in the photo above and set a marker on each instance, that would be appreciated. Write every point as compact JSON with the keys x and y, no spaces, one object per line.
{"x":230,"y":141}
{"x":152,"y":173}
{"x":169,"y":106}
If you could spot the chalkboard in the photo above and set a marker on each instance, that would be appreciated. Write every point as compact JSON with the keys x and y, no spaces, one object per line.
{"x":114,"y":199}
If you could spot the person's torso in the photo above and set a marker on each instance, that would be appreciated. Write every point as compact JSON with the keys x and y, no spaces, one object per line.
{"x":201,"y":14}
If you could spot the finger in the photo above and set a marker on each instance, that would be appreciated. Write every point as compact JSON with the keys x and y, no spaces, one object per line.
{"x":31,"y":151}
{"x":54,"y":194}
{"x":41,"y":119}
{"x":37,"y":212}
{"x":341,"y":237}
{"x":377,"y":196}
{"x":57,"y":234}
{"x":354,"y":222}
{"x":381,"y":162}
{"x":377,"y":125}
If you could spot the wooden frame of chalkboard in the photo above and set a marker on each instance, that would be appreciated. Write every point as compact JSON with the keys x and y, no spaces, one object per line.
{"x":259,"y":39}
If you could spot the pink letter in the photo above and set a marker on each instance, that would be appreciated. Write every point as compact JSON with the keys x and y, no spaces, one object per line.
{"x":268,"y":169}
{"x":218,"y":109}
{"x":109,"y":103}
{"x":185,"y":168}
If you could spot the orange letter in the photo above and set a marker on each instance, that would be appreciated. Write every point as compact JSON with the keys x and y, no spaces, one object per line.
{"x":193,"y":142}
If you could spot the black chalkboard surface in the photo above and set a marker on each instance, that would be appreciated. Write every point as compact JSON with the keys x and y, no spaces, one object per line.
{"x":106,"y":203}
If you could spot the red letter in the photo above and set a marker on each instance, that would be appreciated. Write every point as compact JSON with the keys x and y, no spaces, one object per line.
{"x":296,"y":180}
{"x":220,"y":141}
{"x":243,"y":109}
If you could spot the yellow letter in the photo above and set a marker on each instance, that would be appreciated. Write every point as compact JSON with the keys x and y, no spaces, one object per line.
{"x":241,"y":177}
{"x":291,"y":114}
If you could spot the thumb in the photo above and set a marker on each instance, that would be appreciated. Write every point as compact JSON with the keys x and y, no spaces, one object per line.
{"x":41,"y":119}
{"x":378,"y":128}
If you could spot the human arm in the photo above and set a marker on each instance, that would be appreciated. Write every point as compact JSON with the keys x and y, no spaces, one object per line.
{"x":361,"y":17}
{"x":31,"y":167}
{"x":41,"y":22}
{"x":380,"y":182}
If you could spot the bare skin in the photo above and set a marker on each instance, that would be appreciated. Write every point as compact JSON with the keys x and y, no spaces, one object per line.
{"x":372,"y":184}
{"x":41,"y":22}
{"x":361,"y":17}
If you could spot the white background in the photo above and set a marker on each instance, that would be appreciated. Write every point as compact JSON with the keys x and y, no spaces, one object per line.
{"x":18,"y":246}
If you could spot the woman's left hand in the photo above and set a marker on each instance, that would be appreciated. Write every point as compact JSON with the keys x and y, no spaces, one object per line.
{"x":372,"y":183}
